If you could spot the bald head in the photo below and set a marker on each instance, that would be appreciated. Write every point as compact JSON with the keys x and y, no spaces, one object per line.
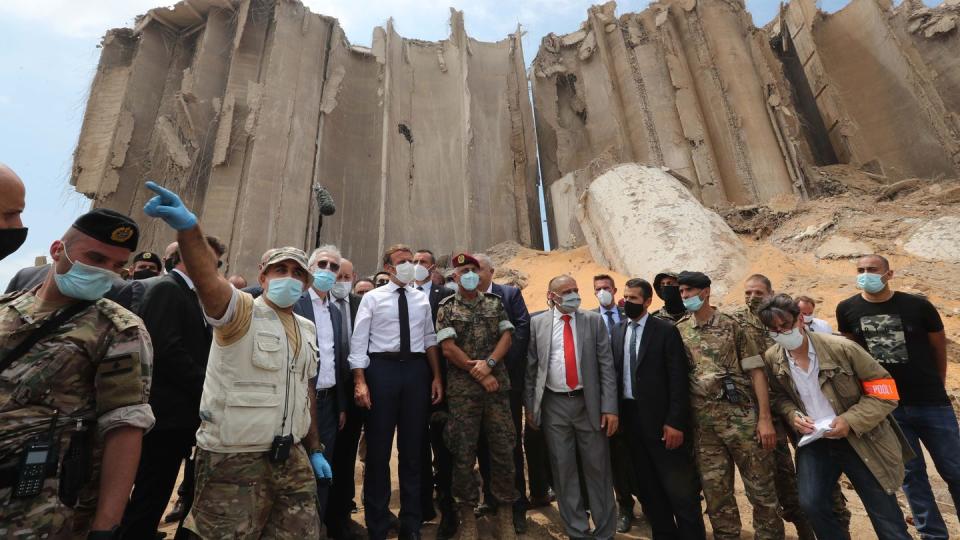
{"x":12,"y":198}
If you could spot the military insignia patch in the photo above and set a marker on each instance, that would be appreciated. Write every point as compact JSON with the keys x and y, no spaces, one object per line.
{"x":121,"y":234}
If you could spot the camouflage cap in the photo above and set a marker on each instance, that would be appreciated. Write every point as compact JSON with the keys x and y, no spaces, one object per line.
{"x":289,"y":253}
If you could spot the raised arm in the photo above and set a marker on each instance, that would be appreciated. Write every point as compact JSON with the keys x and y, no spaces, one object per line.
{"x":213,"y":289}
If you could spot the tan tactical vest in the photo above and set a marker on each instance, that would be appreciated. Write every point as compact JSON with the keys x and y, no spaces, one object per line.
{"x":243,"y":395}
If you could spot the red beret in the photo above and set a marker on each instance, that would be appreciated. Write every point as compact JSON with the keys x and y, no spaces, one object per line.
{"x":464,"y":258}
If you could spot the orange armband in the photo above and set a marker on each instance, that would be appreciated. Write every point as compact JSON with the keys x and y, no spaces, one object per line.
{"x":881,"y":388}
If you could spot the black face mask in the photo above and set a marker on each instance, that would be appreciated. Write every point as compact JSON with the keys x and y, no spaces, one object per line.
{"x":631,"y":310}
{"x":671,"y":299}
{"x":11,"y":240}
{"x":145,"y":273}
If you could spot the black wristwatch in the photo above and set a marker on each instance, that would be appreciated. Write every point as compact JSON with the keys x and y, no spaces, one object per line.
{"x":491,"y":363}
{"x":105,"y":535}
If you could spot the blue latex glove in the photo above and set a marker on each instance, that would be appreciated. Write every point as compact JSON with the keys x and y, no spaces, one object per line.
{"x":320,"y":466}
{"x":168,"y":207}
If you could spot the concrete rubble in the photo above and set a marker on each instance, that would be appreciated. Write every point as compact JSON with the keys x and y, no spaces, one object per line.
{"x":744,"y":113}
{"x":641,"y":220}
{"x":248,"y":107}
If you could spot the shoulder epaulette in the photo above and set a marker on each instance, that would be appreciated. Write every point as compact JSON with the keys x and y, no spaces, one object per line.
{"x":121,"y":317}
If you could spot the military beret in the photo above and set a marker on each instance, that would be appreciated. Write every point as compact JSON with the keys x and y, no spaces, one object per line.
{"x":147,"y":256}
{"x":697,"y":280}
{"x":109,"y":227}
{"x":464,"y":259}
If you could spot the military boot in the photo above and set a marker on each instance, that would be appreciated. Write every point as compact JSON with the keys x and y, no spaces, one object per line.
{"x":505,"y":528}
{"x":468,"y":523}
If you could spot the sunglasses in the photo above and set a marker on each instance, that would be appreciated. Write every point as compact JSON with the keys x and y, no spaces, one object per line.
{"x":327,"y":265}
{"x":380,"y":282}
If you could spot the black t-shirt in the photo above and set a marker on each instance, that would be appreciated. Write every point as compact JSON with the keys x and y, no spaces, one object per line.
{"x":895,"y":332}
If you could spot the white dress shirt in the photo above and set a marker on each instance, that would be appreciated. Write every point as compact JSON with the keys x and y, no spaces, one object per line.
{"x":627,"y":367}
{"x":808,"y":386}
{"x":326,"y":363}
{"x":377,"y":326}
{"x":557,"y":368}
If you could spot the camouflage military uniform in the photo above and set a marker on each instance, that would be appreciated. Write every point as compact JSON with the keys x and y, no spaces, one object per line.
{"x":786,"y":474}
{"x":236,"y":507}
{"x":476,"y":326}
{"x":95,"y":371}
{"x":725,"y":432}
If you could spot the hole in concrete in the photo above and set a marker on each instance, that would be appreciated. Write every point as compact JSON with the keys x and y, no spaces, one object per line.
{"x":405,"y":131}
{"x":814,"y":130}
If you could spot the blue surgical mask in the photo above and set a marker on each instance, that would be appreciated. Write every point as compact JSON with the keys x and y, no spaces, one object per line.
{"x":871,"y":283}
{"x":323,"y":280}
{"x":469,"y":281}
{"x":84,"y":282}
{"x":284,"y":291}
{"x":694,"y":303}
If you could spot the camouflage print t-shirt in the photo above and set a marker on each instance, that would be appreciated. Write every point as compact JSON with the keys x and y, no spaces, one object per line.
{"x":897,"y":334}
{"x":718,"y":347}
{"x":96,"y":367}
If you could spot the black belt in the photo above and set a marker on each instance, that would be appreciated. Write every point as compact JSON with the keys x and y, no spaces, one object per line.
{"x":572,"y":393}
{"x":324,"y":393}
{"x":397,"y":356}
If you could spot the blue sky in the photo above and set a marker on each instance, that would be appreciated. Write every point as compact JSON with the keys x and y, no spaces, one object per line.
{"x":49,"y":55}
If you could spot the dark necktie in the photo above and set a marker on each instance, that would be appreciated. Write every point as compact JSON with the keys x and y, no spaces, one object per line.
{"x":610,"y":322}
{"x":633,"y":344}
{"x":404,"y":322}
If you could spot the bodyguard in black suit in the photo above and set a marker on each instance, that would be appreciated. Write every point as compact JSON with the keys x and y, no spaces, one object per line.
{"x":181,"y":345}
{"x":516,"y":361}
{"x":437,"y":472}
{"x":333,"y":383}
{"x":652,"y":369}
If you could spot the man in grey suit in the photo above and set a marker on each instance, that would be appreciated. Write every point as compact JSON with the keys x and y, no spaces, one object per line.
{"x":571,"y":393}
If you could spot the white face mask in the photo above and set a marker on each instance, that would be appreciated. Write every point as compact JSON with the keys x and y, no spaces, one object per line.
{"x":405,"y":272}
{"x":341,"y":289}
{"x":605,"y":297}
{"x":420,"y":273}
{"x":788,"y":340}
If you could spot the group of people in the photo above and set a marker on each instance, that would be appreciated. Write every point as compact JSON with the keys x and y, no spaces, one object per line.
{"x":267,"y":394}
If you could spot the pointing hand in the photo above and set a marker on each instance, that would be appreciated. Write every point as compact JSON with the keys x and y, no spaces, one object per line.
{"x":168,"y":207}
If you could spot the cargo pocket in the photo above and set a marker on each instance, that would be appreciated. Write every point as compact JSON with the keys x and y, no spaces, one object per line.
{"x":269,"y":352}
{"x":250,"y":418}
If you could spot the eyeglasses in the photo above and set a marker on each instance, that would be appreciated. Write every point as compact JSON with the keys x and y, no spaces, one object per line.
{"x":786,"y":328}
{"x":325,"y":265}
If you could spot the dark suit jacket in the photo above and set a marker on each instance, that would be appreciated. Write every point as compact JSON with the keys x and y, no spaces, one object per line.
{"x":128,"y":294}
{"x":436,"y":295}
{"x":304,"y":308}
{"x":181,"y":345}
{"x":516,"y":308}
{"x":661,"y":387}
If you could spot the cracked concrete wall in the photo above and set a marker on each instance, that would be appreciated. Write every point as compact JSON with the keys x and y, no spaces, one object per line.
{"x":684,"y":84}
{"x":245,"y":107}
{"x":885,"y":83}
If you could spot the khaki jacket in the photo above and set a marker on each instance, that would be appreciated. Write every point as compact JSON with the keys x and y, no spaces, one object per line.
{"x":844,"y":366}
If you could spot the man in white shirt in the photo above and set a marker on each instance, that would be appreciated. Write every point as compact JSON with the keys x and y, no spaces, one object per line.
{"x":396,"y":373}
{"x":333,"y":376}
{"x":813,"y":324}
